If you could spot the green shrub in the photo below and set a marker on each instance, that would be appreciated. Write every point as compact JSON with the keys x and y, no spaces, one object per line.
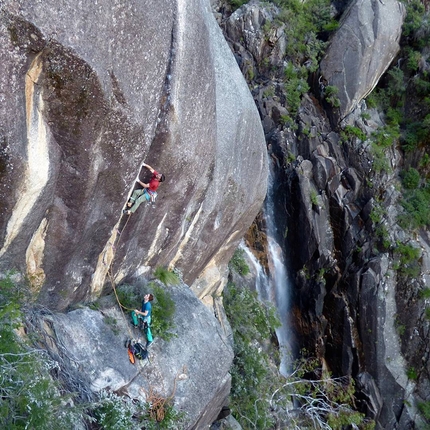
{"x":412,"y":374}
{"x":410,"y":178}
{"x":415,"y":133}
{"x":424,"y":408}
{"x":128,"y":297}
{"x":425,"y":293}
{"x":380,"y":162}
{"x":163,"y":311}
{"x":252,"y":377}
{"x":172,"y":418}
{"x":333,"y":25}
{"x":238,"y":263}
{"x":351,"y":131}
{"x":237,"y":3}
{"x":29,"y":397}
{"x":314,"y":197}
{"x":401,"y":329}
{"x":413,"y":61}
{"x":371,"y":101}
{"x":386,"y":136}
{"x":415,"y":204}
{"x":295,"y":88}
{"x":304,"y":20}
{"x":425,"y":160}
{"x":287,"y":121}
{"x":167,"y":277}
{"x":414,"y":16}
{"x":163,"y":306}
{"x":408,"y":259}
{"x":114,"y":412}
{"x":396,"y":83}
{"x":258,"y":390}
{"x":330,"y":94}
{"x":394,"y":117}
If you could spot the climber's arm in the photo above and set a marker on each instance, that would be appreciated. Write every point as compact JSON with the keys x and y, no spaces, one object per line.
{"x":148,"y":167}
{"x":143,"y":184}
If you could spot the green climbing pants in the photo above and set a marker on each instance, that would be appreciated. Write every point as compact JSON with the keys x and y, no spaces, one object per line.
{"x":138,"y":197}
{"x":146,"y":327}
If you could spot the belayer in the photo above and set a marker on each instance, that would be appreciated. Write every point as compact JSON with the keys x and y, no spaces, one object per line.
{"x":145,"y":315}
{"x":147,"y":193}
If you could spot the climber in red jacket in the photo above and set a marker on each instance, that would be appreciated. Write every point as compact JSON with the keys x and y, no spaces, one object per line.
{"x":147,"y":193}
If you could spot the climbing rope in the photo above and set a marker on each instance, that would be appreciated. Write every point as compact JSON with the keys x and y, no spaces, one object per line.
{"x":112,"y":281}
{"x":157,"y":402}
{"x":111,"y":277}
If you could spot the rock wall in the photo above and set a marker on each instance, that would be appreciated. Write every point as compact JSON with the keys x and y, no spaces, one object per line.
{"x":361,"y":50}
{"x":352,"y":307}
{"x":192,"y":368}
{"x":346,"y":287}
{"x":89,"y":94}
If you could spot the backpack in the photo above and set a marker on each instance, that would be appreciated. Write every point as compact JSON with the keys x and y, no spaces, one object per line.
{"x":139,"y":351}
{"x":135,"y":350}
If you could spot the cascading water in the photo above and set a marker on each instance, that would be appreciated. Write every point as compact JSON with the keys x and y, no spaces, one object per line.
{"x":275,"y":287}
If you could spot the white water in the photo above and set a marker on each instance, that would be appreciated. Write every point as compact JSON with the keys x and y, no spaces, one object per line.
{"x":280,"y":285}
{"x":276,"y":287}
{"x":279,"y":280}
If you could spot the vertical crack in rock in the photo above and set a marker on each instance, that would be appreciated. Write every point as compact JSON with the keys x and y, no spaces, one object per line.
{"x":37,"y":172}
{"x":107,"y":256}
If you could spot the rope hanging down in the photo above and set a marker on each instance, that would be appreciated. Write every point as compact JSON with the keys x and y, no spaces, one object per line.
{"x":111,"y":277}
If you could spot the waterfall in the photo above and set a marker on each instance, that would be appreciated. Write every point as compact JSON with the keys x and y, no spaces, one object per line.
{"x":278,"y":278}
{"x":275,"y":287}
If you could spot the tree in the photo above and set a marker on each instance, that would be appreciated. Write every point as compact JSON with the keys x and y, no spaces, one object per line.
{"x":29,"y":397}
{"x":260,"y":396}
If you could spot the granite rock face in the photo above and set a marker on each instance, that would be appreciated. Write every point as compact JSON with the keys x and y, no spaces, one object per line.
{"x":87,"y":95}
{"x":192,"y":367}
{"x":361,"y":49}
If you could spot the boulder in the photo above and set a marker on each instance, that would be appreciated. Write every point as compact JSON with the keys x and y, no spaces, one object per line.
{"x":362,"y":49}
{"x":192,"y":367}
{"x":88,"y":94}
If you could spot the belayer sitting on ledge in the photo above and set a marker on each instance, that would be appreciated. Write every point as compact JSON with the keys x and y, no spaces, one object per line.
{"x":147,"y":193}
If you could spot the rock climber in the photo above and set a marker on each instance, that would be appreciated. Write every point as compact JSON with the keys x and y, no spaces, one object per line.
{"x":147,"y":193}
{"x":146,"y":316}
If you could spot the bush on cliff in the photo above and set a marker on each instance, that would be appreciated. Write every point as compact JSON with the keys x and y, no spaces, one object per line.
{"x":253,"y":379}
{"x":260,"y":396}
{"x":163,"y":308}
{"x":29,"y":397}
{"x":238,"y":263}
